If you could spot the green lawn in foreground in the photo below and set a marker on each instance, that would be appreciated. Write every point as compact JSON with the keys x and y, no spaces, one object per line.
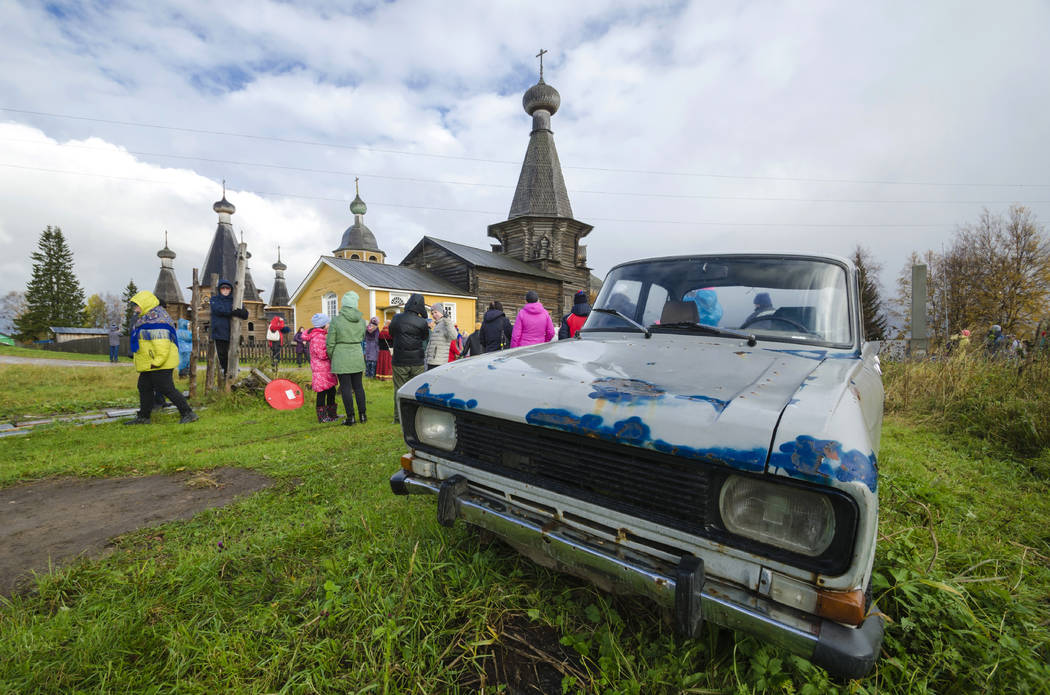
{"x":329,"y":583}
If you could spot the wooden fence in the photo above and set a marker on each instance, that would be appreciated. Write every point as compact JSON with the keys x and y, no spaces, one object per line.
{"x":100,"y":346}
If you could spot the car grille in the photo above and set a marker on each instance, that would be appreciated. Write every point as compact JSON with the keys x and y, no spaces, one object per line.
{"x":630,"y":480}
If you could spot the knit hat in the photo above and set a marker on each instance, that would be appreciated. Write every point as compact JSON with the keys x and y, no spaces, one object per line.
{"x":320,"y":320}
{"x":580,"y":297}
{"x":762,"y":299}
{"x":531,"y":296}
{"x":374,"y":320}
{"x":438,"y":306}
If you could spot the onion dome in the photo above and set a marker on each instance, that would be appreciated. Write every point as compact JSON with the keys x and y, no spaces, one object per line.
{"x":541,"y":96}
{"x":358,"y":237}
{"x":224,"y":206}
{"x":358,"y":206}
{"x":165,"y":254}
{"x":279,"y":265}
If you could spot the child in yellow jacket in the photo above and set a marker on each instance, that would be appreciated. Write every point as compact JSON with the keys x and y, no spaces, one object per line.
{"x":155,"y":351}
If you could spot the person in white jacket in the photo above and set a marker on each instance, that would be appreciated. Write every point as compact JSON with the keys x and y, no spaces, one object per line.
{"x":441,"y":337}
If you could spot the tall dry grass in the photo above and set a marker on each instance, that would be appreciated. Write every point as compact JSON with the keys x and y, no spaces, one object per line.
{"x":1006,"y":401}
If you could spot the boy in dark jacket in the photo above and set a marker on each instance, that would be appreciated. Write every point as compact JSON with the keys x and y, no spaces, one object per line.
{"x":221,"y":311}
{"x":575,"y":319}
{"x":472,"y":345}
{"x":409,"y":334}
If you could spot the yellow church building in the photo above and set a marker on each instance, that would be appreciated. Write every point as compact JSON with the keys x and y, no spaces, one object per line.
{"x":358,"y":264}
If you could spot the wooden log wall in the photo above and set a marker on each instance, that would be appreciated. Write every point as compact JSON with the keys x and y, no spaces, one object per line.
{"x":510,"y":289}
{"x":440,"y":262}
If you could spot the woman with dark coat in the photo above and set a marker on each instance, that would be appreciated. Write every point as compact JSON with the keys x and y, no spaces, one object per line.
{"x":496,"y":329}
{"x":409,"y":332}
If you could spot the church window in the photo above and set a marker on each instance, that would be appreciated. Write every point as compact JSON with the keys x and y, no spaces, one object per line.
{"x":354,"y":257}
{"x":328,"y":304}
{"x":251,"y":326}
{"x":372,"y":258}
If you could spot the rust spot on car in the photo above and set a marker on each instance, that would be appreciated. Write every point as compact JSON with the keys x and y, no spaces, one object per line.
{"x":621,"y":535}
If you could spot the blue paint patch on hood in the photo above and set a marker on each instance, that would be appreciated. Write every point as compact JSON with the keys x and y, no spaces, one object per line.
{"x":821,"y":460}
{"x":448,"y":400}
{"x":627,"y":391}
{"x":718,"y":404}
{"x":634,"y":432}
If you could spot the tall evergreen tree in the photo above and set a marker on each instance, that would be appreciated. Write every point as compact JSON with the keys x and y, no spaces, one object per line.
{"x":53,"y":295}
{"x":870,"y":296}
{"x":129,"y":314}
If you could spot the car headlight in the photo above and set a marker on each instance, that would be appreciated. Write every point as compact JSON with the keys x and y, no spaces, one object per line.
{"x":436,"y":428}
{"x":779,"y":515}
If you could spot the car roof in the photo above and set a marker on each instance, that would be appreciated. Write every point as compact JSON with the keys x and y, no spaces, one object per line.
{"x":722,"y":254}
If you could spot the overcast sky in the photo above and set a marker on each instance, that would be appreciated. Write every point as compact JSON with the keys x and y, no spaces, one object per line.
{"x":684,"y":126}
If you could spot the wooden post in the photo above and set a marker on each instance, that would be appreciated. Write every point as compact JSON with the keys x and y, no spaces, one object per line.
{"x":195,"y":300}
{"x":213,"y":357}
{"x":235,"y":322}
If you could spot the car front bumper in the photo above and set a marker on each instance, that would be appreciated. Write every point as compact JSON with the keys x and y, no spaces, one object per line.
{"x":843,"y":651}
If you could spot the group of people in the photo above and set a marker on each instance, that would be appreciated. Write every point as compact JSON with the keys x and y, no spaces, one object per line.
{"x":375,"y":345}
{"x":342,"y":350}
{"x":337,"y":358}
{"x":420,"y":344}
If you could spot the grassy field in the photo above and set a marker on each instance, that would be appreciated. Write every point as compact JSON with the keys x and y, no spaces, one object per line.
{"x":39,"y":353}
{"x":326,"y":582}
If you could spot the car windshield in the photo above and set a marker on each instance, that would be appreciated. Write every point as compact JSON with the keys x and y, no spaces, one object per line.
{"x":780,"y":298}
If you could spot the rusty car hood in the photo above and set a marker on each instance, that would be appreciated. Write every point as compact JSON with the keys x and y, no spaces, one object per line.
{"x":696,"y":397}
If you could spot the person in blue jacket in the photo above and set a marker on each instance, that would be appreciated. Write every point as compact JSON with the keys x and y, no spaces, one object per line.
{"x":185,"y":336}
{"x":219,"y":329}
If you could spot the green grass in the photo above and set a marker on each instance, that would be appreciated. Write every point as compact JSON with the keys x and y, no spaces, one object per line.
{"x":38,"y":390}
{"x":1004,"y":401}
{"x":326,"y":582}
{"x":40,"y":353}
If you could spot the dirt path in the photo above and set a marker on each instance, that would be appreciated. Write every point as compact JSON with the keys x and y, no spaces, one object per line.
{"x":11,"y":359}
{"x":58,"y":520}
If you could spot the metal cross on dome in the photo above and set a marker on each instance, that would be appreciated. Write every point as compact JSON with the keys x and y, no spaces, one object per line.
{"x":540,"y":56}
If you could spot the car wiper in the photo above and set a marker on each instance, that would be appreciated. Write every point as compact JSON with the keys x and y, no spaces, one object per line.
{"x":711,"y":330}
{"x":628,"y":319}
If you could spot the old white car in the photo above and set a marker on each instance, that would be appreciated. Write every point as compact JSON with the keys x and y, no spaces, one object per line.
{"x":708,"y":440}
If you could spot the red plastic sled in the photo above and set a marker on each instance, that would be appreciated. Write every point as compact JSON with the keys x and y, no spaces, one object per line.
{"x":284,"y":395}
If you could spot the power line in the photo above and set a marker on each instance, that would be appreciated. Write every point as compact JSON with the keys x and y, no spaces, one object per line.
{"x":690,"y":223}
{"x":409,"y":153}
{"x":448,"y":182}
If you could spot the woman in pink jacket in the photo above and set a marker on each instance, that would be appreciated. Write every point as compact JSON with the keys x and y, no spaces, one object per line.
{"x":533,"y":324}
